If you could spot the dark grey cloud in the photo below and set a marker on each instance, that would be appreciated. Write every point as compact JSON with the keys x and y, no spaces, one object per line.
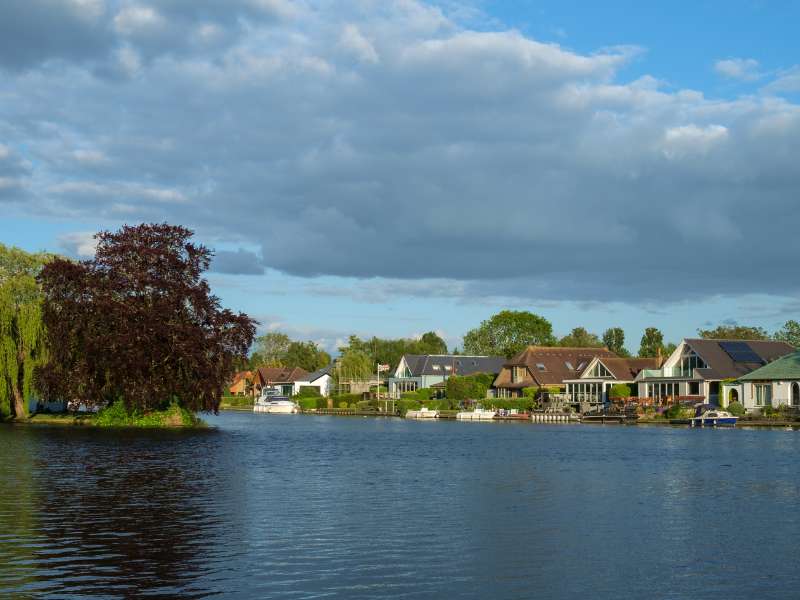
{"x":240,"y":262}
{"x":393,"y":142}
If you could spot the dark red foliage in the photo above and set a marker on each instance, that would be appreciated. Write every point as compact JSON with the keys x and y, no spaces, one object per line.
{"x":139,"y":322}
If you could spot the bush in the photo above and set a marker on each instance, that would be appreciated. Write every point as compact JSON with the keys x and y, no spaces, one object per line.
{"x":736,"y":408}
{"x":351,"y":399}
{"x":404,"y":405}
{"x":520,"y":404}
{"x":343,"y":404}
{"x":468,"y":387}
{"x":117,"y":415}
{"x":676,"y":411}
{"x":619,"y":390}
{"x":421,"y":394}
{"x":307,"y":403}
{"x":237,"y":401}
{"x":308,"y":391}
{"x":530,"y":392}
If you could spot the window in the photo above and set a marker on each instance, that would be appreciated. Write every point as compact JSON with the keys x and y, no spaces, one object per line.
{"x":694,"y":388}
{"x":517,"y":374}
{"x":448,"y":368}
{"x":762,"y":393}
{"x":690,"y":362}
{"x":600,"y":371}
{"x":437,"y":367}
{"x":569,"y":365}
{"x":580,"y":366}
{"x":541,"y":366}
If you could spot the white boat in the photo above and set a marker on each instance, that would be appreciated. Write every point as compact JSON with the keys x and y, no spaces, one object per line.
{"x":479,"y":414}
{"x":422,"y":413}
{"x":284,"y":407}
{"x":714,"y":418}
{"x":270,"y":401}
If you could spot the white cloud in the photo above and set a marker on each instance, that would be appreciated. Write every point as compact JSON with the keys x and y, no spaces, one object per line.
{"x":136,"y":18}
{"x":787,"y":81}
{"x":81,"y":244}
{"x":353,"y":41}
{"x":743,"y":69}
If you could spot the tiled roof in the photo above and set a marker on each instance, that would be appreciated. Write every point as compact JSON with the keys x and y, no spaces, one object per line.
{"x":282,"y":374}
{"x":722,"y":366}
{"x":557,"y":363}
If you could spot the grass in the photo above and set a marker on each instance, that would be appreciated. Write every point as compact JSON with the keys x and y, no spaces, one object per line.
{"x":117,"y":415}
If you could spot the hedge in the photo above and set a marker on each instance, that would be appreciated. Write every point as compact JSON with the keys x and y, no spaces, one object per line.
{"x":308,"y":391}
{"x":619,"y":390}
{"x":237,"y":401}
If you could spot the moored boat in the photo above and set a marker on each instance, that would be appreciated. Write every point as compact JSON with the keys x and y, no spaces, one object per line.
{"x":714,"y":418}
{"x":277,"y":406}
{"x":422,"y":413}
{"x":479,"y":414}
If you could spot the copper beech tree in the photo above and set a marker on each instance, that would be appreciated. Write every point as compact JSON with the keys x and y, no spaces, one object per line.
{"x":139,"y":323}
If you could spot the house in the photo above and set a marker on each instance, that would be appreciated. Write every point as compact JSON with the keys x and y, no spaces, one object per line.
{"x":321,"y":379}
{"x":242,"y":384}
{"x":696,"y":368}
{"x":283,"y":378}
{"x":545,"y":366}
{"x":592,"y":385}
{"x":418,"y":371}
{"x":774,"y":384}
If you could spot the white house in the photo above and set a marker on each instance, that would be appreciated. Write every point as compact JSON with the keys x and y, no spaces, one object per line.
{"x":320,"y":379}
{"x":775,"y":384}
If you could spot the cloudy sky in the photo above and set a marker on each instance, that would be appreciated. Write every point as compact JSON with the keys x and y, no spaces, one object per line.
{"x":394,"y":166}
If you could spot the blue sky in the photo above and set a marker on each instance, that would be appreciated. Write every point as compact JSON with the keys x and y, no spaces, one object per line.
{"x":395,"y":167}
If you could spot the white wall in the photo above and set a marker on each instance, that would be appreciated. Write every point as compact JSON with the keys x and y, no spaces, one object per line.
{"x":781,"y":394}
{"x":323,"y":383}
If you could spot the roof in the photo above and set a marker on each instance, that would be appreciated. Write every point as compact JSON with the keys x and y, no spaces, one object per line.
{"x":626,"y":369}
{"x":241,"y":375}
{"x":282,"y":374}
{"x":319,"y":373}
{"x":722,"y":366}
{"x":423,"y":364}
{"x":786,"y":367}
{"x":560,"y":363}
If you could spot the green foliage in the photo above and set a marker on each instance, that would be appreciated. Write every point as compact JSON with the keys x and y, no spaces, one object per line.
{"x":579,"y":337}
{"x":507,"y":333}
{"x":619,"y":390}
{"x":521,"y":404}
{"x":389,"y":351}
{"x":117,"y":415}
{"x":237,"y":401}
{"x":652,"y":342}
{"x":734,"y":332}
{"x":736,"y":408}
{"x":468,"y":387}
{"x":421,"y":394}
{"x":354,"y":364}
{"x":351,"y":399}
{"x":530,"y":392}
{"x":23,"y":345}
{"x":789,"y":333}
{"x":614,"y":340}
{"x":306,"y":403}
{"x":676,"y":411}
{"x":308,"y":391}
{"x":306,"y":355}
{"x":269,"y":350}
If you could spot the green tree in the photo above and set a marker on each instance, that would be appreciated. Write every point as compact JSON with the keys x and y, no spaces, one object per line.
{"x":614,"y":340}
{"x":306,"y":355}
{"x":354,"y":364}
{"x":652,"y":342}
{"x":789,"y":333}
{"x":579,"y":337}
{"x":734,"y":332}
{"x":507,"y":333}
{"x":270,"y":350}
{"x":431,"y":343}
{"x":22,"y":334}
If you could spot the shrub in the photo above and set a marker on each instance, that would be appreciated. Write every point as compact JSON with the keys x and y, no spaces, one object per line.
{"x":619,"y":390}
{"x":307,"y":403}
{"x":736,"y":408}
{"x":343,"y":404}
{"x":308,"y":391}
{"x":404,"y":405}
{"x":530,"y":392}
{"x":676,"y":411}
{"x":117,"y":415}
{"x":468,"y":387}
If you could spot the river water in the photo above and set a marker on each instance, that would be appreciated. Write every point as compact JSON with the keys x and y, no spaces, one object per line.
{"x":269,"y":506}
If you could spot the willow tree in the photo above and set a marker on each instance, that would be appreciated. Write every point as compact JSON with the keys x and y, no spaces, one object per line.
{"x":22,"y":338}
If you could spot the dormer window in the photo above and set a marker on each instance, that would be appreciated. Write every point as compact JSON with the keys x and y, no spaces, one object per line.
{"x":541,"y":367}
{"x":569,"y":365}
{"x":517,"y":374}
{"x":580,"y":366}
{"x":437,"y":368}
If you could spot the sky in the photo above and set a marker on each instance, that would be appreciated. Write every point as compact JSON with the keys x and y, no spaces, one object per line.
{"x":390,"y":167}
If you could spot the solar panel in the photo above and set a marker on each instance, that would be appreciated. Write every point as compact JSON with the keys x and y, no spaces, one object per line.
{"x":740,"y":352}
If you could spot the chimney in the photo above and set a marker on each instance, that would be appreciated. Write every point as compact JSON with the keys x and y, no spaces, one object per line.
{"x":659,"y":358}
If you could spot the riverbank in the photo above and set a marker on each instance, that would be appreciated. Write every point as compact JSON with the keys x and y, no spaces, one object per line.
{"x":116,"y":416}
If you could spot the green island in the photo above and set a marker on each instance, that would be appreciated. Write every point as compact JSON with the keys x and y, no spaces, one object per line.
{"x":130,"y":338}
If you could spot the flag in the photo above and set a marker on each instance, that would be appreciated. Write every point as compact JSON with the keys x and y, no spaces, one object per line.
{"x":383,"y":368}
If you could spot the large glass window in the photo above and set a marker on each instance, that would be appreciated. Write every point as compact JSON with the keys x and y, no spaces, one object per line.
{"x":600,"y":371}
{"x":762,"y":394}
{"x":690,"y":362}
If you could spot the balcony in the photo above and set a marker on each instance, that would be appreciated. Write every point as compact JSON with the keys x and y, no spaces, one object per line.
{"x":667,"y":372}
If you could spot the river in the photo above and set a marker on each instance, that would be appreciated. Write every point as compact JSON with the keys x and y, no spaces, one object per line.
{"x":270,"y":506}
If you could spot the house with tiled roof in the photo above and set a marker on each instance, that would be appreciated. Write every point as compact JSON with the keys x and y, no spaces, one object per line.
{"x":775,"y":384}
{"x":543,"y":367}
{"x":419,"y":371}
{"x":697,"y":367}
{"x":282,"y":378}
{"x":593,"y":384}
{"x":242,"y":384}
